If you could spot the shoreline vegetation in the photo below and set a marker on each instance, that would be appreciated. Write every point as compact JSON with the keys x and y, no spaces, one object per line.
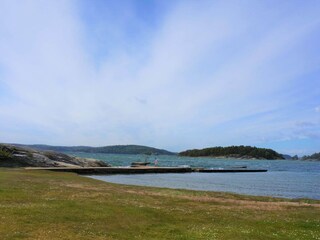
{"x":239,"y":152}
{"x":51,"y":205}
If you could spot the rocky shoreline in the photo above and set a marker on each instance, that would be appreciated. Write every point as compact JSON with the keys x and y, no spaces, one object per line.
{"x":13,"y":156}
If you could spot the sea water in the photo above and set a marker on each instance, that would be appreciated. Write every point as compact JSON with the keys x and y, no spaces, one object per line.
{"x":285,"y":178}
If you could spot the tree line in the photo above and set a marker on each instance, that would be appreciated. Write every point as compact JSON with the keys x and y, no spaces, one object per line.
{"x":233,"y":151}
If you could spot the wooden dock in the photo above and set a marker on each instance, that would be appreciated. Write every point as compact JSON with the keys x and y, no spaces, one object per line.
{"x":141,"y":170}
{"x":231,"y":170}
{"x":116,"y":170}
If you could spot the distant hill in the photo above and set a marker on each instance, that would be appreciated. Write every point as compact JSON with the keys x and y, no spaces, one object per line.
{"x":288,"y":157}
{"x":315,"y":156}
{"x":243,"y":152}
{"x":116,"y":149}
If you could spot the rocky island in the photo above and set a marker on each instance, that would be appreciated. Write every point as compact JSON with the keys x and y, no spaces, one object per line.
{"x":14,"y":156}
{"x":313,"y":157}
{"x":241,"y":152}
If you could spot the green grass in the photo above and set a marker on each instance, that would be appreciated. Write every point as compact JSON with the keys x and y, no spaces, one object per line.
{"x":50,"y":205}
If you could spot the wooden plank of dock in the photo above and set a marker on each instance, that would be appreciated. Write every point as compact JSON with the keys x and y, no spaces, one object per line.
{"x":115,"y":170}
{"x":230,"y":170}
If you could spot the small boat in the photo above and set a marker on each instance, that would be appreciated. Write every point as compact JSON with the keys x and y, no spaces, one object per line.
{"x":139,"y":164}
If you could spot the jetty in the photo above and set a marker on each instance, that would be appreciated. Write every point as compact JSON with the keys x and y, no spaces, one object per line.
{"x":116,"y":170}
{"x":139,"y":170}
{"x":230,"y":170}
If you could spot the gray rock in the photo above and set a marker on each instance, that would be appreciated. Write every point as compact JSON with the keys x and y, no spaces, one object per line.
{"x":13,"y":156}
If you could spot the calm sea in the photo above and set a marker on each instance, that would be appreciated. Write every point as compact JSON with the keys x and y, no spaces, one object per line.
{"x":285,"y":178}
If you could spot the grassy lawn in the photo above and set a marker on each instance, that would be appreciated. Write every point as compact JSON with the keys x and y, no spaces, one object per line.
{"x":50,"y":205}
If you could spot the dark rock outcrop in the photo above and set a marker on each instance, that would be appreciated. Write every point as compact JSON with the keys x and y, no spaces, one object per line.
{"x":13,"y":156}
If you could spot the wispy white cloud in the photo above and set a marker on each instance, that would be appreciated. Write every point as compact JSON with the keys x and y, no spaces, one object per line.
{"x":210,"y":73}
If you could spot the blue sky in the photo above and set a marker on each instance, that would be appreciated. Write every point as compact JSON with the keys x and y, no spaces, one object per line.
{"x":169,"y":74}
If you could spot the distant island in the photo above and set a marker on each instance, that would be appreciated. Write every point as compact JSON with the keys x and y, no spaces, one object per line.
{"x":243,"y":152}
{"x":116,"y":149}
{"x":315,"y":156}
{"x":312,"y":157}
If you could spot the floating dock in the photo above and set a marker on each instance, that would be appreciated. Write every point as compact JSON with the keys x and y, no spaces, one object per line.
{"x":140,"y":170}
{"x":229,"y":170}
{"x":116,"y":170}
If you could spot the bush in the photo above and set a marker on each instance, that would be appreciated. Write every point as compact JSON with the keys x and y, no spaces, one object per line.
{"x":5,"y":153}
